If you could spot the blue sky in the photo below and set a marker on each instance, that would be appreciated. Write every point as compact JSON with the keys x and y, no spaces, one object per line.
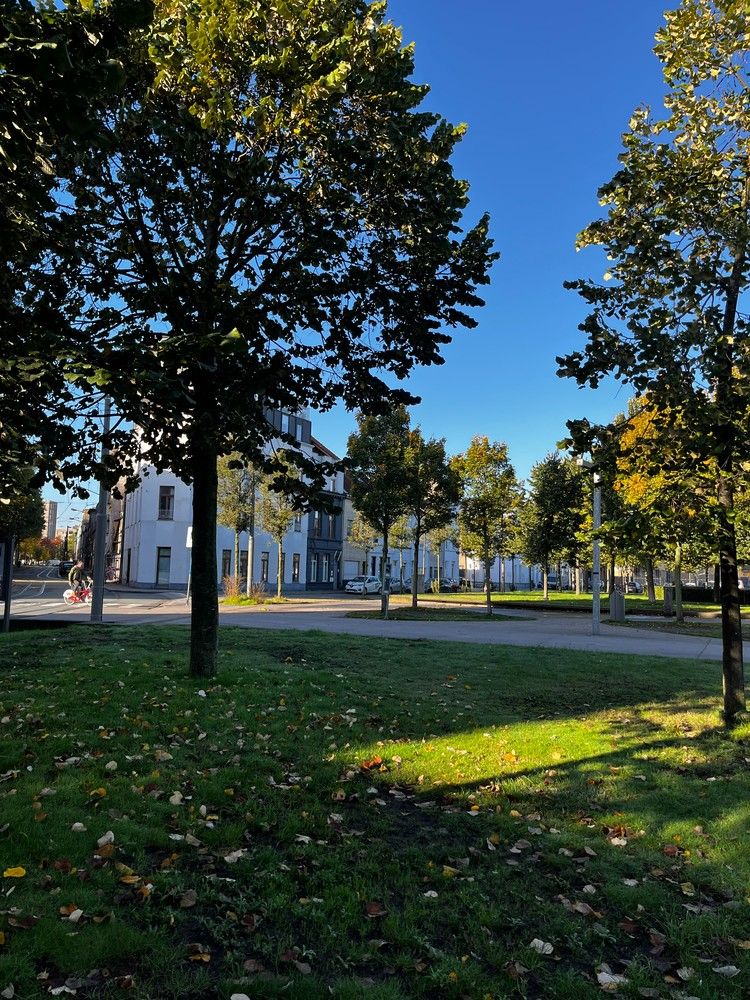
{"x":547,"y":90}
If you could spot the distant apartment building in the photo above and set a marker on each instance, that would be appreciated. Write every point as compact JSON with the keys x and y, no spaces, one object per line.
{"x":325,"y":531}
{"x":50,"y":519}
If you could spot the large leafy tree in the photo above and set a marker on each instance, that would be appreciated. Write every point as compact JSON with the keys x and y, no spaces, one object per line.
{"x":668,"y":317}
{"x":433,"y":489}
{"x":376,"y":461}
{"x":363,"y":536}
{"x":59,"y":66}
{"x":490,"y":493}
{"x":274,"y":224}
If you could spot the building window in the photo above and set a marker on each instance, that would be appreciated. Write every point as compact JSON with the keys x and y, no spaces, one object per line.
{"x":264,"y":567}
{"x":314,"y":568}
{"x":166,"y":503}
{"x":349,"y":524}
{"x":298,"y":522}
{"x":283,"y":566}
{"x":316,"y":524}
{"x":226,"y":562}
{"x":326,"y":567}
{"x":295,"y":567}
{"x":243,"y":562}
{"x":163,"y":561}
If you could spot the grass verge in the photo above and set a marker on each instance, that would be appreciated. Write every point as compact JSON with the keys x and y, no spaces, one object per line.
{"x":402,"y":614}
{"x":348,"y":817}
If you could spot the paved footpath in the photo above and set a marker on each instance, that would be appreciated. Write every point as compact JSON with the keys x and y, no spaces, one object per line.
{"x":545,"y":629}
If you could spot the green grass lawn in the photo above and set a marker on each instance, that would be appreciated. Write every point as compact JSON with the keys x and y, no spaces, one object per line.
{"x":565,"y":600}
{"x":344,"y":817}
{"x":407,"y":614}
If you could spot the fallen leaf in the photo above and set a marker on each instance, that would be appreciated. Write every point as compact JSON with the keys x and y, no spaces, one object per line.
{"x":375,"y":909}
{"x":17,"y":872}
{"x":608,"y":980}
{"x":730,"y":971}
{"x":189,"y":898}
{"x":541,"y":947}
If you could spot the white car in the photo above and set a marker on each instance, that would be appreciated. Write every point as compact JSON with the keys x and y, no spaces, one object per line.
{"x":363,"y":585}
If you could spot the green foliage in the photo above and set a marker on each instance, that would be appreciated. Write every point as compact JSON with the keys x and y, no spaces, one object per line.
{"x":21,"y":511}
{"x":552,"y":515}
{"x":376,"y":461}
{"x":491,"y":494}
{"x":668,"y":316}
{"x":273,"y":224}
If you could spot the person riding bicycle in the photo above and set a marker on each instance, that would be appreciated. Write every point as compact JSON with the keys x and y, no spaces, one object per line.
{"x":77,"y":577}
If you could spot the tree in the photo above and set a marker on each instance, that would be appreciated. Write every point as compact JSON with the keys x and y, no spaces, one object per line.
{"x":236,"y":488}
{"x":277,"y":511}
{"x":59,"y":67}
{"x":363,"y":536}
{"x":273,"y":225}
{"x":402,"y":536}
{"x":21,"y":515}
{"x":433,"y":489}
{"x":436,"y":538}
{"x":550,"y":515}
{"x":376,"y":461}
{"x":490,"y":492}
{"x":677,"y":235}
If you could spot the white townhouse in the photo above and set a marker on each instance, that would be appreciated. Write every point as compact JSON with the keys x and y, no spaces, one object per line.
{"x":155,"y":548}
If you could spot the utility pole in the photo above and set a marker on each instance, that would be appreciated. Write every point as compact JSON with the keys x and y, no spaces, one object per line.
{"x":100,"y":533}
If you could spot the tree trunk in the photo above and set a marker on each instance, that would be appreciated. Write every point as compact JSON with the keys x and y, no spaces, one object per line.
{"x":437,"y":555}
{"x":545,"y":581}
{"x":502,"y":572}
{"x":650,"y":588}
{"x":237,"y":557}
{"x":383,"y":565}
{"x":415,"y":566}
{"x":717,"y":583}
{"x":611,"y":575}
{"x":279,"y":578}
{"x":678,"y":581}
{"x":725,"y":432}
{"x":204,"y":612}
{"x":488,"y":582}
{"x":559,"y":575}
{"x":7,"y":581}
{"x":401,"y":570}
{"x":731,"y":623}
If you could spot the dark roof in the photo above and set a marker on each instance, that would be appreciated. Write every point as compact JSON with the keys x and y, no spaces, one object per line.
{"x":323,"y":450}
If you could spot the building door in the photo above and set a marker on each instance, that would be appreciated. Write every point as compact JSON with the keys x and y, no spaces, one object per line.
{"x":163,"y":560}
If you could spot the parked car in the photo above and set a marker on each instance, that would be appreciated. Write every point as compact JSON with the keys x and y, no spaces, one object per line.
{"x":398,"y":588}
{"x":363,"y":585}
{"x":449,"y":586}
{"x":633,"y":587}
{"x":66,"y":565}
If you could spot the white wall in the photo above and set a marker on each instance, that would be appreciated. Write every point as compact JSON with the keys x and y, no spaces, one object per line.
{"x":145,"y":533}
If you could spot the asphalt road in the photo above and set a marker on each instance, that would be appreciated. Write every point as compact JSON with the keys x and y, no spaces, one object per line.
{"x":37,"y":593}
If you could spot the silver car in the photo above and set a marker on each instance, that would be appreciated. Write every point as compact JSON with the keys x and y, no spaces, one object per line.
{"x":363,"y":585}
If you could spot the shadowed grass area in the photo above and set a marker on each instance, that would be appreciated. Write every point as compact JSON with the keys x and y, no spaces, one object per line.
{"x":347,"y":817}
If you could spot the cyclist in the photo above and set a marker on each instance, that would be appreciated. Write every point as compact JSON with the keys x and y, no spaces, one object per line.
{"x":76,"y":577}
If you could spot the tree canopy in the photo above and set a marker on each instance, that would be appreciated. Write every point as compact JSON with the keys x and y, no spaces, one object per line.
{"x":273,"y":224}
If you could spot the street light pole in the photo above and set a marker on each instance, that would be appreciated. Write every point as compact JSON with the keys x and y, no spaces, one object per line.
{"x":100,"y":532}
{"x":596,"y":606}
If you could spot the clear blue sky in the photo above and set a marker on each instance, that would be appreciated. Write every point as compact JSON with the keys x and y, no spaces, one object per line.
{"x":547,"y":89}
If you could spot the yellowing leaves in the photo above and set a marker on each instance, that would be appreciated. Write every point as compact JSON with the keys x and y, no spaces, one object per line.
{"x":17,"y":872}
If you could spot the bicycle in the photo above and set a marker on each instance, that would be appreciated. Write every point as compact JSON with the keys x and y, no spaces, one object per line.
{"x":80,"y":595}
